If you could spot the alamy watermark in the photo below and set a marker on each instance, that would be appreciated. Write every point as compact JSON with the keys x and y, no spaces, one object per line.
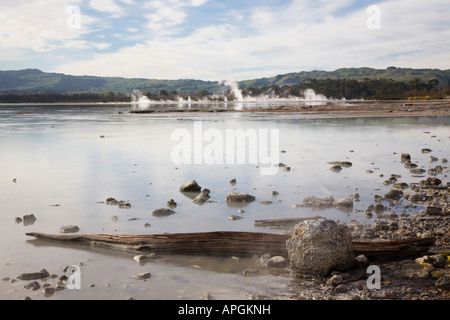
{"x":234,"y":146}
{"x":73,"y":280}
{"x":374,"y":281}
{"x":74,"y":20}
{"x":374,"y":20}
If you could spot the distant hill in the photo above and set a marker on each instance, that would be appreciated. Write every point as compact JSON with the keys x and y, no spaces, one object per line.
{"x":397,"y":74}
{"x":34,"y":80}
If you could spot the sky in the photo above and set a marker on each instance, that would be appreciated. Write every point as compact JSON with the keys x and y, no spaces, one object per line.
{"x":221,"y":39}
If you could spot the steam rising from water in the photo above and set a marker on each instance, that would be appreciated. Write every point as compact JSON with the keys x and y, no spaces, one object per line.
{"x":140,"y":101}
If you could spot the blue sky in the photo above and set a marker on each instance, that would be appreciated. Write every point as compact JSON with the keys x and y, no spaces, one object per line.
{"x":218,"y":39}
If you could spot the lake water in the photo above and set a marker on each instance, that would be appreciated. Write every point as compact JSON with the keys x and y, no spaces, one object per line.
{"x":61,"y":162}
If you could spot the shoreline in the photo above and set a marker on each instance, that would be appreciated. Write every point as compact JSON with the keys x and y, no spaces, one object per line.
{"x":333,"y":110}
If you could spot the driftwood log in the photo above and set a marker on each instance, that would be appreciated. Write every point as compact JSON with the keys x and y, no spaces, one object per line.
{"x":222,"y":243}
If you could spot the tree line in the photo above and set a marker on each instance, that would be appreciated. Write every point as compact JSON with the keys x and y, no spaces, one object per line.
{"x":367,"y":89}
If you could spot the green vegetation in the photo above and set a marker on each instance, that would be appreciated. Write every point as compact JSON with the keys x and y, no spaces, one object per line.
{"x":32,"y":85}
{"x":368,"y":89}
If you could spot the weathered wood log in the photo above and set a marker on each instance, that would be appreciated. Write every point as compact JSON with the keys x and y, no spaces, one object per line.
{"x":221,"y":243}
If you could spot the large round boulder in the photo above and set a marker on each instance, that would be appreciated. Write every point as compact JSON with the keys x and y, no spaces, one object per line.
{"x":320,"y":246}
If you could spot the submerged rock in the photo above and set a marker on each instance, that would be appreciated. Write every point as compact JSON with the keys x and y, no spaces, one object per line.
{"x":343,"y":203}
{"x":344,"y":164}
{"x":28,"y":219}
{"x":239,"y":197}
{"x":320,"y":246}
{"x":312,"y":201}
{"x":161,"y":212}
{"x":336,"y":168}
{"x":69,"y":229}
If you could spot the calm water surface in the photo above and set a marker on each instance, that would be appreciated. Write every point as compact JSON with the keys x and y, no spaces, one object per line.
{"x":68,"y":159}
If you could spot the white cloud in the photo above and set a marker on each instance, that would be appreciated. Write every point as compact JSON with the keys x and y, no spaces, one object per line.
{"x":197,"y":3}
{"x":40,"y":26}
{"x":264,"y":41}
{"x":108,"y":6}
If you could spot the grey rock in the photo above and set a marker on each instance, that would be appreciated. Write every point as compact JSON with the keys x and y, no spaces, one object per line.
{"x":312,"y":201}
{"x":190,"y":186}
{"x":276,"y":262}
{"x":394,"y":194}
{"x":362,"y":260}
{"x":343,"y":203}
{"x":171,"y":203}
{"x":161,"y":212}
{"x":69,"y":229}
{"x":443,"y":282}
{"x":142,"y":276}
{"x":29,"y":219}
{"x":32,"y":285}
{"x":336,"y":168}
{"x":417,"y":171}
{"x":319,"y":246}
{"x":335,"y":280}
{"x":405,"y":157}
{"x":432,"y":210}
{"x":239,"y":197}
{"x":202,"y":197}
{"x":34,"y":275}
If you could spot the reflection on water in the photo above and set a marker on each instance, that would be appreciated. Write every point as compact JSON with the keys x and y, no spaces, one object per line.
{"x":68,"y":159}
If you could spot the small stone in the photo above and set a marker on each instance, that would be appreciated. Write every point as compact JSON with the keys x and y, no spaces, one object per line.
{"x":171,"y":203}
{"x":343,"y":203}
{"x":276,"y":262}
{"x":69,"y":229}
{"x":425,"y":150}
{"x":161,"y":212}
{"x":34,"y":275}
{"x":124,"y":205}
{"x":32,"y":285}
{"x":432,"y":210}
{"x":405,"y":157}
{"x":335,"y":280}
{"x":432,"y":159}
{"x":401,"y":185}
{"x":239,"y":197}
{"x":29,"y":219}
{"x":233,"y":181}
{"x":341,"y":288}
{"x":142,"y":276}
{"x":190,"y":186}
{"x":361,"y":260}
{"x":394,"y":194}
{"x":202,"y":197}
{"x":336,"y":168}
{"x":234,"y":217}
{"x":48,"y":290}
{"x":112,"y":201}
